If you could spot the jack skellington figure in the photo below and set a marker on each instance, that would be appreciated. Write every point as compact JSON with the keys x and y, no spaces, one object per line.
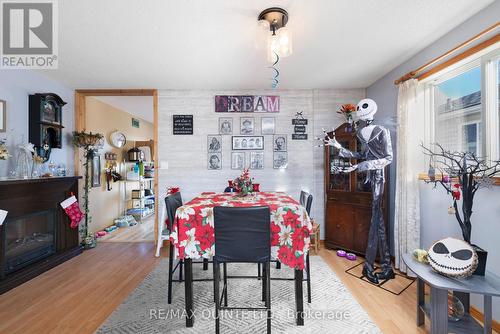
{"x":377,"y":153}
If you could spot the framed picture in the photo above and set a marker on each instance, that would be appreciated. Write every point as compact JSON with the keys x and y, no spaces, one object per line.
{"x":238,"y":160}
{"x":3,"y":116}
{"x":267,"y":125}
{"x":135,"y":123}
{"x":279,"y":143}
{"x":214,"y":143}
{"x":247,"y":125}
{"x":96,"y":170}
{"x":214,"y":161}
{"x":225,"y":126}
{"x":280,"y":160}
{"x":256,"y":160}
{"x":248,"y":143}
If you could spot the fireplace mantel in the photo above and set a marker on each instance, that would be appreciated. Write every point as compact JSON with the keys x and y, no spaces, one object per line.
{"x":24,"y":198}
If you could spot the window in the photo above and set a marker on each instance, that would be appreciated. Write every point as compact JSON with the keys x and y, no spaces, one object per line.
{"x":463,"y":105}
{"x":471,"y":138}
{"x":457,"y":111}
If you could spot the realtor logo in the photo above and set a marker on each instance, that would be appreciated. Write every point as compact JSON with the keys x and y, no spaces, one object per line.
{"x":29,"y":34}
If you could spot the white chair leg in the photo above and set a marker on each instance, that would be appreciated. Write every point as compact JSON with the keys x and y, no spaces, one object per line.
{"x":159,"y":246}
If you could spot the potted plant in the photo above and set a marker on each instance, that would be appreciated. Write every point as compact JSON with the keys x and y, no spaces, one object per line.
{"x":462,"y":175}
{"x":347,"y":110}
{"x":88,"y":142}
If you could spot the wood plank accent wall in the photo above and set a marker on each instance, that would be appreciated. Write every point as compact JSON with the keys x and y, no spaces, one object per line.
{"x":186,"y":155}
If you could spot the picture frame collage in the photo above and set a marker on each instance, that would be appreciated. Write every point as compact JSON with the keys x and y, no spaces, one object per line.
{"x":247,"y":146}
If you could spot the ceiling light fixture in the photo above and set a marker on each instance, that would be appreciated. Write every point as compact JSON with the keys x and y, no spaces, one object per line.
{"x":279,"y":43}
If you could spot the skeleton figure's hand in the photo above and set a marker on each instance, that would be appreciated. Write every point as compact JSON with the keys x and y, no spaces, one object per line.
{"x":338,"y":169}
{"x":331,"y":141}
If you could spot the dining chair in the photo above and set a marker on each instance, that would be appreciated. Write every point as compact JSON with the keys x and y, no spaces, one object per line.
{"x":242,"y":235}
{"x":163,"y":231}
{"x":172,"y":203}
{"x":305,"y":200}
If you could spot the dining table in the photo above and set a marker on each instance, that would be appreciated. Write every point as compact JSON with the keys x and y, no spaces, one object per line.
{"x":193,"y":236}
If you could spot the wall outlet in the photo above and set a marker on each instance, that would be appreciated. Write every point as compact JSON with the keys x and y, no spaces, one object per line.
{"x":163,"y":164}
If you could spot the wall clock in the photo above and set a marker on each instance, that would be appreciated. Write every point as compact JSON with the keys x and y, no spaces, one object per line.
{"x":118,"y":139}
{"x":45,"y":120}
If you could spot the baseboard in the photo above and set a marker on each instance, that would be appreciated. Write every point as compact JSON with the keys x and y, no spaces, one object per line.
{"x":478,"y":315}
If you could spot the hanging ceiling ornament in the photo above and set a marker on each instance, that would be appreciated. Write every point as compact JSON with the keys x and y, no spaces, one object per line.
{"x":279,"y":41}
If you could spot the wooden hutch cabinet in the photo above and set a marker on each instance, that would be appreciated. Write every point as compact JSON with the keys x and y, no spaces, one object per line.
{"x":348,"y":199}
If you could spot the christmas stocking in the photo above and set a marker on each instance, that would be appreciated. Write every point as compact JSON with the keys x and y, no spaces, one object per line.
{"x":70,"y":206}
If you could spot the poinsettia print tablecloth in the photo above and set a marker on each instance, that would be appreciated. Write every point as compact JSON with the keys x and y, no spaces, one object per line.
{"x":193,"y":232}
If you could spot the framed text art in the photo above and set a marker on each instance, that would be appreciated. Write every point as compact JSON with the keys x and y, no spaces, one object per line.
{"x":183,"y":124}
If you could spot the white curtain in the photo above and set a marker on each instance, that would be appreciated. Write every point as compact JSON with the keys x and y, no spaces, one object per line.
{"x":407,"y":203}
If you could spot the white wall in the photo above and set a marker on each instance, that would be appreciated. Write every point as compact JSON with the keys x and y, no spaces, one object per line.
{"x":187,"y":155}
{"x":435,"y":222}
{"x":15,"y":86}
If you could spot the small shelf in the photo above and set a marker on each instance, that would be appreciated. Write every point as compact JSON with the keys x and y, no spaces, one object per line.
{"x":140,"y":198}
{"x":135,"y":162}
{"x":141,"y":179}
{"x":468,"y":325}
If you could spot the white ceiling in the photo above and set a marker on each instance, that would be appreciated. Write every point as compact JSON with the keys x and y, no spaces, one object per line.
{"x":138,"y":106}
{"x":200,"y":44}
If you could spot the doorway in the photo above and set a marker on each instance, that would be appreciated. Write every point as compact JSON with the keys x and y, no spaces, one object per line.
{"x":124,"y":199}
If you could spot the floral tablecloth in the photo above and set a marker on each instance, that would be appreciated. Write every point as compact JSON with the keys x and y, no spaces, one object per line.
{"x":193,"y":232}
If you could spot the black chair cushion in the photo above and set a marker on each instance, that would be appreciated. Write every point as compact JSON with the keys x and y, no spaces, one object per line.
{"x":242,"y":234}
{"x":306,"y":201}
{"x":172,"y":203}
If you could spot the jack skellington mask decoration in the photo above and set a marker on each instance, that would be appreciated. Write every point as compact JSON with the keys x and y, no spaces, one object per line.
{"x":452,"y":257}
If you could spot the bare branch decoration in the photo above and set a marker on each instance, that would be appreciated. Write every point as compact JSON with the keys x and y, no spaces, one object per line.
{"x":472,"y":172}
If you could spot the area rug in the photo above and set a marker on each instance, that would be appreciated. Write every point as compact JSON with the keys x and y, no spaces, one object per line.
{"x":396,"y":286}
{"x":333,"y":308}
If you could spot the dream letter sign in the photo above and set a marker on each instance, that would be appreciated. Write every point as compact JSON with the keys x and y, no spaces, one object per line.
{"x":247,"y":103}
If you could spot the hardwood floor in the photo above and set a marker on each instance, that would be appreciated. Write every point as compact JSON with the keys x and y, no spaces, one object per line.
{"x":391,"y":313}
{"x":142,"y":232}
{"x":78,"y":296}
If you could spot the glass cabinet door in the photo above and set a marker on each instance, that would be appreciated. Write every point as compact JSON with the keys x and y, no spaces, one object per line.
{"x":338,"y":180}
{"x":360,"y":177}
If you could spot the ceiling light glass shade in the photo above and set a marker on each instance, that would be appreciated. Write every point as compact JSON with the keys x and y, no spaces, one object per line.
{"x":285,"y":42}
{"x":272,"y":48}
{"x":280,"y":44}
{"x":264,"y":25}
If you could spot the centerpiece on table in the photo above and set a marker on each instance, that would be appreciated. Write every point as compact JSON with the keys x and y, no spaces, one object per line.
{"x":462,"y":175}
{"x":89,"y":142}
{"x":243,"y":183}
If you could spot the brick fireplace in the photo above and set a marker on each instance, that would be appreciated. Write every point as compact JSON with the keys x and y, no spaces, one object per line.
{"x":36,"y":234}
